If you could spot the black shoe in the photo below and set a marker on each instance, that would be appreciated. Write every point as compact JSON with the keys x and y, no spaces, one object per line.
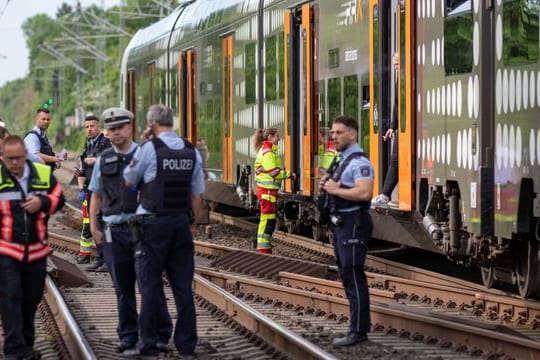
{"x":351,"y":339}
{"x":32,"y":355}
{"x":102,"y":268}
{"x":83,"y":259}
{"x":124,"y":345}
{"x":138,"y":353}
{"x":162,"y":346}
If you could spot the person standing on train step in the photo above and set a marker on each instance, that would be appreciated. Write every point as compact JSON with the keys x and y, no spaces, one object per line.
{"x":350,"y":189}
{"x":36,"y":140}
{"x":170,"y":169}
{"x":268,"y":176}
{"x":117,"y":205}
{"x":29,"y":194}
{"x":95,"y":143}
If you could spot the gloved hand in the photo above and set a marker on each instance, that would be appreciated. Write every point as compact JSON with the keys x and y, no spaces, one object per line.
{"x":82,"y":195}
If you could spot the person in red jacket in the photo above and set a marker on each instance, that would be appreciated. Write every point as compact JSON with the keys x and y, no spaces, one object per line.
{"x":268,"y":175}
{"x":29,"y":194}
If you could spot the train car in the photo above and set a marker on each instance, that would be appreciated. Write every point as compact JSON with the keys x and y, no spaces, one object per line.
{"x":465,"y":94}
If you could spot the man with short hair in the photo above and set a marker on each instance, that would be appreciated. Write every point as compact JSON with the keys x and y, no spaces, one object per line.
{"x":29,"y":194}
{"x":350,"y":188}
{"x":170,"y":169}
{"x":36,"y":140}
{"x":117,"y":204}
{"x":95,"y":143}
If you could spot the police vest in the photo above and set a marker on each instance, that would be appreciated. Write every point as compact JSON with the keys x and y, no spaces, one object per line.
{"x":100,"y":143}
{"x":340,"y":203}
{"x":24,"y":235}
{"x":170,"y":192}
{"x":44,"y":146}
{"x":116,"y":198}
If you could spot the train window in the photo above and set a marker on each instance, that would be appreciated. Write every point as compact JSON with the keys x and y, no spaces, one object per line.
{"x":458,"y":37}
{"x":281,"y":65}
{"x":251,"y":72}
{"x":333,"y":58}
{"x":334,"y":98}
{"x":520,"y":29}
{"x":350,"y":96}
{"x":270,"y":73}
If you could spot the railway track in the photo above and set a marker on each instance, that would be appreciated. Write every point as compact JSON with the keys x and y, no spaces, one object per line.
{"x":227,"y":327}
{"x":438,"y":310}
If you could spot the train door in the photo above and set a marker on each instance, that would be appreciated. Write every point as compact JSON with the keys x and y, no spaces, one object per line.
{"x":187,"y":105}
{"x":300,"y":120}
{"x":227,"y":106}
{"x":391,"y":85}
{"x":131,"y":105}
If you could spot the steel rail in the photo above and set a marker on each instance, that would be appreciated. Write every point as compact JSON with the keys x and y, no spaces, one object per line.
{"x":291,"y":344}
{"x":72,"y":335}
{"x":494,"y":338}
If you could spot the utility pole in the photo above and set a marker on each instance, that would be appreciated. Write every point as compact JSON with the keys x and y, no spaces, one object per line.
{"x":100,"y":68}
{"x":80,"y":92}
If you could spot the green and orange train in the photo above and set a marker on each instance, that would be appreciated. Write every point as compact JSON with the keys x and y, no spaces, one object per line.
{"x":465,"y":98}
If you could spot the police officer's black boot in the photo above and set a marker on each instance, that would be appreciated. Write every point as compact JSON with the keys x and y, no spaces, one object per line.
{"x":351,"y":339}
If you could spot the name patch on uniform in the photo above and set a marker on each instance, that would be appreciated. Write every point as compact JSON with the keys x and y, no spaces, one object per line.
{"x":364,"y":170}
{"x":177,"y":164}
{"x":111,"y":159}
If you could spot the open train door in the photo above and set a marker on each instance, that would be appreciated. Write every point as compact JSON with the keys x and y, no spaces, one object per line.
{"x":391,"y":86}
{"x":300,"y":120}
{"x":299,"y":100}
{"x":187,"y":105}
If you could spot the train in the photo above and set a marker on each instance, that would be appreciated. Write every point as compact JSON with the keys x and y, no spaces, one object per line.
{"x":465,"y":95}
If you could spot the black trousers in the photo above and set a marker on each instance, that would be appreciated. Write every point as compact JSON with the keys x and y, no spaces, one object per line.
{"x":167,"y":245}
{"x":350,"y":247}
{"x":391,"y":179}
{"x":21,"y":289}
{"x":119,"y":256}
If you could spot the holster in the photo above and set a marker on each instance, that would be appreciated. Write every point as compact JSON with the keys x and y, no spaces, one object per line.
{"x":136,"y":227}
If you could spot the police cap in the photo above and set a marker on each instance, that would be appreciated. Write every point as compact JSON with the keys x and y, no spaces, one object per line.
{"x":115,"y":116}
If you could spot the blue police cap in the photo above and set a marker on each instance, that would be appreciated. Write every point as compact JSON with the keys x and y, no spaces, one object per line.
{"x":115,"y":116}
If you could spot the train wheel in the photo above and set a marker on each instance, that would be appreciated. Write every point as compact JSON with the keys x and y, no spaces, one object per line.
{"x":527,"y":268}
{"x":488,"y":276}
{"x":292,"y":227}
{"x":318,"y":232}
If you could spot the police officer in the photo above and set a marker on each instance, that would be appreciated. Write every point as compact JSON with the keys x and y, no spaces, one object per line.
{"x":350,"y":188}
{"x":117,"y":205}
{"x":171,"y":171}
{"x":36,"y":140}
{"x":29,"y":194}
{"x":95,"y":143}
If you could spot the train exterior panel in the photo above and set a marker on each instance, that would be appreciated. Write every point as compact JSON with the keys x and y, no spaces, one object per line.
{"x":464,"y":91}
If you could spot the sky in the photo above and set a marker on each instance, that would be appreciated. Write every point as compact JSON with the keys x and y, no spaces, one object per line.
{"x":13,"y":52}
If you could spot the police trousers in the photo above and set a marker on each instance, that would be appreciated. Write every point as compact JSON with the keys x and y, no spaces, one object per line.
{"x":119,"y":256}
{"x":350,"y":247}
{"x":21,"y":289}
{"x":166,"y":245}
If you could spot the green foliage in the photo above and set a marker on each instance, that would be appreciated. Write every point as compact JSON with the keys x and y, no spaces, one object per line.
{"x":20,"y":98}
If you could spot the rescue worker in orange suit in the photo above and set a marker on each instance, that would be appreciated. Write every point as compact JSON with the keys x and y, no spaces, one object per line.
{"x":268,"y":176}
{"x":350,"y":189}
{"x":29,"y":194}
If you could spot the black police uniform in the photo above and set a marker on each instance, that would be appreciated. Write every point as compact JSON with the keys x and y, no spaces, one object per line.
{"x":92,"y":148}
{"x":116,"y":198}
{"x":167,"y":244}
{"x":352,"y":227}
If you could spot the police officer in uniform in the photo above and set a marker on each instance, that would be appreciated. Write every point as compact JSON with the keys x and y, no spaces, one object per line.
{"x":171,"y":171}
{"x":29,"y":194}
{"x":96,"y":142}
{"x":350,"y":188}
{"x":36,"y":140}
{"x":117,"y":205}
